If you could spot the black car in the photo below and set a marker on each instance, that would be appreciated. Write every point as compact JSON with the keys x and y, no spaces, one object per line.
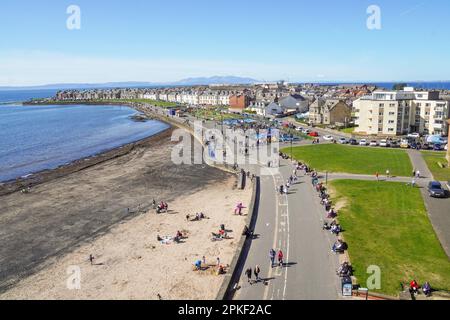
{"x":435,"y":190}
{"x":353,"y":142}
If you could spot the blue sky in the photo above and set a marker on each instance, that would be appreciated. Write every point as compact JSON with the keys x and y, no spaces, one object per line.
{"x":166,"y":40}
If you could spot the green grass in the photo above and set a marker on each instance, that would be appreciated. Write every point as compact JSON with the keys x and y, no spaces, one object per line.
{"x":215,"y":114}
{"x":348,"y":130}
{"x":352,"y":159}
{"x":432,"y":158}
{"x":386,"y":224}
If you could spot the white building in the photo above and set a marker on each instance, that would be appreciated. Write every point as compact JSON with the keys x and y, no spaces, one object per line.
{"x":402,"y":112}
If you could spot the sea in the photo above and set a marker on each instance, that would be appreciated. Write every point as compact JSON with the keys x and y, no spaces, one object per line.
{"x":36,"y":138}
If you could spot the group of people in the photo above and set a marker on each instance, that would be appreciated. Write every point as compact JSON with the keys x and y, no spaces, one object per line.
{"x":333,"y":227}
{"x":162,"y":207}
{"x":274,"y":255}
{"x":256,"y":271}
{"x":414,"y":288}
{"x":198,"y":217}
{"x":345,"y":270}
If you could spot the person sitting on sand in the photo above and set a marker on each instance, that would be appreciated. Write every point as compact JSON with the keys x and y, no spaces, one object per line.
{"x":159,"y":238}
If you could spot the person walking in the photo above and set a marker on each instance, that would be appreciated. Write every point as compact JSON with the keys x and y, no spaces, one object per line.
{"x":280,"y":258}
{"x":248,"y":273}
{"x":257,"y":271}
{"x":272,"y":255}
{"x":388,"y":174}
{"x":418,"y":174}
{"x":377,"y":175}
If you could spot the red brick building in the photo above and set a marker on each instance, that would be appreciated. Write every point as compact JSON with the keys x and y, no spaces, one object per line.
{"x":239,"y":102}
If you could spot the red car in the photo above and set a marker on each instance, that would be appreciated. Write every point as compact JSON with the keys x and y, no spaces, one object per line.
{"x":314,"y":134}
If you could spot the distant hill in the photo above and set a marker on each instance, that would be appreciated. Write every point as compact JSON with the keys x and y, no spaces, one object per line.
{"x":135,"y":84}
{"x":216,"y":80}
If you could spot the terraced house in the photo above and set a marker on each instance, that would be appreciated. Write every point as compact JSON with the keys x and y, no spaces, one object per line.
{"x":392,"y":113}
{"x":329,"y":112}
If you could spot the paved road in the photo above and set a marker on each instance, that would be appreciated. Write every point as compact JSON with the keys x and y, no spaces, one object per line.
{"x":292,"y":223}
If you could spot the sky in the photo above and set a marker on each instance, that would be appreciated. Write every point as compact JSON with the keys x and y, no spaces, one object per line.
{"x":168,"y":40}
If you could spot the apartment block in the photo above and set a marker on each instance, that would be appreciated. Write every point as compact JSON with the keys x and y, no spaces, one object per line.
{"x":392,"y":113}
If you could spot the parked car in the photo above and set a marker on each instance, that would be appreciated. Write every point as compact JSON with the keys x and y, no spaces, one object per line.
{"x":328,"y":138}
{"x":448,"y":185}
{"x":384,"y":143}
{"x":373,"y":143}
{"x":394,"y":144}
{"x":435,"y":190}
{"x":299,"y":129}
{"x":404,"y":144}
{"x":314,"y":134}
{"x":437,"y":147}
{"x":343,"y":141}
{"x":414,"y":135}
{"x":363,"y":142}
{"x":353,"y":142}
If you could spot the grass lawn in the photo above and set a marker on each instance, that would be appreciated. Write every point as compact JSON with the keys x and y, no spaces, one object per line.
{"x":348,"y":130}
{"x":356,"y":160}
{"x":386,"y":224}
{"x":432,"y":158}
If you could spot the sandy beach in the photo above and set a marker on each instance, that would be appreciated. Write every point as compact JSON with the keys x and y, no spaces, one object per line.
{"x":103,"y":210}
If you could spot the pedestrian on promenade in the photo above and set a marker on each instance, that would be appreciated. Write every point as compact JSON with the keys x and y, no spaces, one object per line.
{"x":280,"y":258}
{"x":388,"y":174}
{"x":272,"y":255}
{"x":248,"y":273}
{"x":257,"y":271}
{"x":418,"y":174}
{"x":377,"y":175}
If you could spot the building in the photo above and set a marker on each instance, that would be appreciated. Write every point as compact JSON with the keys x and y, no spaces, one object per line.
{"x":294,"y":103}
{"x":239,"y":102}
{"x":329,"y":112}
{"x":394,"y":113}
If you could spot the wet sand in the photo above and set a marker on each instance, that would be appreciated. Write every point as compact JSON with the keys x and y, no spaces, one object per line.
{"x":64,"y":214}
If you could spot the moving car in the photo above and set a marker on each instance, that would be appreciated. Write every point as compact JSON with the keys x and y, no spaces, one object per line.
{"x":314,"y":134}
{"x":373,"y":143}
{"x":363,"y":142}
{"x":435,"y":190}
{"x":343,"y":141}
{"x":299,"y":129}
{"x":384,"y":143}
{"x":328,"y":138}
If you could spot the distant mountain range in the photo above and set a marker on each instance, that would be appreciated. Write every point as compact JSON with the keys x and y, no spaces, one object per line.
{"x":133,"y":84}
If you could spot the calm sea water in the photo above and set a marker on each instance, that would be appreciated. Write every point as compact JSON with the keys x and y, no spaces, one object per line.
{"x":35,"y":138}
